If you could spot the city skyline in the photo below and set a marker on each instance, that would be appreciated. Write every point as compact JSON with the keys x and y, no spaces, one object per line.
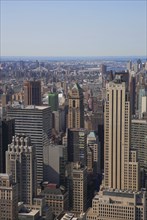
{"x":75,"y":28}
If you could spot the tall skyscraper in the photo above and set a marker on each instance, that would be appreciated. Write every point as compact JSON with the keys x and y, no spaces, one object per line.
{"x":75,"y":107}
{"x":21,"y":162}
{"x":36,"y":122}
{"x":120,"y":167}
{"x":77,"y":145}
{"x":8,"y":198}
{"x":32,"y":92}
{"x":119,"y":197}
{"x":79,"y":188}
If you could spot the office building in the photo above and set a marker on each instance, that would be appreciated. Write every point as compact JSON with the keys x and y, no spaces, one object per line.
{"x":94,"y":144}
{"x":139,"y":143}
{"x":79,"y":188}
{"x":8,"y":198}
{"x":53,"y":101}
{"x":21,"y":162}
{"x":36,"y":122}
{"x":77,"y":145}
{"x":7,"y":131}
{"x":121,"y":167}
{"x":32,"y":92}
{"x":75,"y":107}
{"x":118,"y":204}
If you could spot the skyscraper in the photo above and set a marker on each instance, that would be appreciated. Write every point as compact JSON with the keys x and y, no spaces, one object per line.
{"x":21,"y":162}
{"x":119,"y":197}
{"x":75,"y":107}
{"x":8,"y":198}
{"x":32,"y":92}
{"x":79,"y":188}
{"x":121,"y":166}
{"x":77,"y":145}
{"x":36,"y":122}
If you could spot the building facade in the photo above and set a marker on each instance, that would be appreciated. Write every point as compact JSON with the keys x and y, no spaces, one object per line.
{"x":8,"y":198}
{"x":75,"y":107}
{"x":77,"y":145}
{"x":139,"y":143}
{"x":21,"y":162}
{"x":32,"y":92}
{"x":117,"y":155}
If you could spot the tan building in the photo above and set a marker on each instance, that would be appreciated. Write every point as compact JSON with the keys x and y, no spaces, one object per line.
{"x":118,"y":204}
{"x":75,"y":107}
{"x":21,"y":162}
{"x":119,"y":198}
{"x":117,"y":155}
{"x":8,"y":198}
{"x":79,"y":190}
{"x":32,"y":92}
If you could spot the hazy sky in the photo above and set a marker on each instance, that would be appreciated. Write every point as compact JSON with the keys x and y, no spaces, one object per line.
{"x":73,"y":28}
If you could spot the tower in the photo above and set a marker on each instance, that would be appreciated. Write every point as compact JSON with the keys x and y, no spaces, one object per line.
{"x":119,"y":163}
{"x":21,"y":162}
{"x":32,"y":92}
{"x":76,"y":107}
{"x":79,"y":190}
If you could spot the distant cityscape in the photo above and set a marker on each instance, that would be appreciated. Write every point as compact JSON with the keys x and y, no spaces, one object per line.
{"x":73,"y":138}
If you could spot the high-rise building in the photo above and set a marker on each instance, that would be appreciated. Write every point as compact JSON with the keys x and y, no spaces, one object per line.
{"x":77,"y":145}
{"x":7,"y":131}
{"x":75,"y":107}
{"x":79,"y":188}
{"x":119,"y":197}
{"x":8,"y":198}
{"x":53,"y":101}
{"x":21,"y":162}
{"x":94,"y":144}
{"x":32,"y":92}
{"x":139,"y":143}
{"x":36,"y":122}
{"x":121,"y":166}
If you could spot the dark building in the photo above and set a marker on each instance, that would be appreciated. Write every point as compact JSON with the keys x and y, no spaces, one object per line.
{"x":7,"y":131}
{"x":77,"y":145}
{"x":53,"y":101}
{"x":32,"y":92}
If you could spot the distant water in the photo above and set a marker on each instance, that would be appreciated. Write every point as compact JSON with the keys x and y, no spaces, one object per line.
{"x":74,"y":58}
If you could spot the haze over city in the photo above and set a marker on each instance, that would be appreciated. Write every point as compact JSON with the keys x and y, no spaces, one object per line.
{"x":73,"y":28}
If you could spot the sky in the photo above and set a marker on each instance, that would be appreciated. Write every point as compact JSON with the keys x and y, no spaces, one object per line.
{"x":73,"y":28}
